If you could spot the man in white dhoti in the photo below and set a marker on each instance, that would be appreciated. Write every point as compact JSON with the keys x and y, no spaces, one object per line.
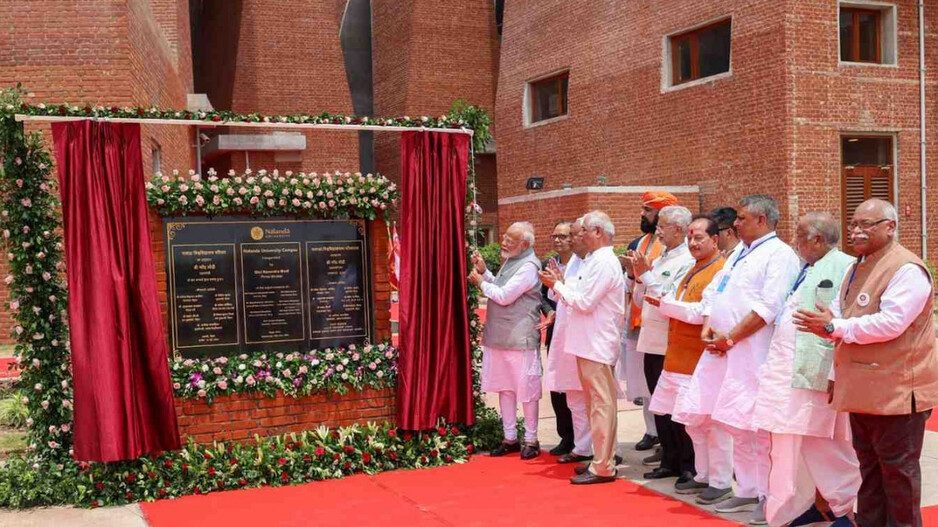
{"x":656,"y":279}
{"x":596,"y":315}
{"x":748,"y":300}
{"x":561,"y":374}
{"x":685,"y":308}
{"x":511,"y":341}
{"x":810,"y":440}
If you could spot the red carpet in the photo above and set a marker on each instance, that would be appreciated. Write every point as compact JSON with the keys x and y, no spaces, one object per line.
{"x":5,"y":371}
{"x":932,"y":423}
{"x":485,"y":492}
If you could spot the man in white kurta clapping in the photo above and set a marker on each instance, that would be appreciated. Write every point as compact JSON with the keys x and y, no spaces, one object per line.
{"x":511,"y":340}
{"x":748,"y":299}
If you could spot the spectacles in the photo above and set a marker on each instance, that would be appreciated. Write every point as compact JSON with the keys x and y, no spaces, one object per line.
{"x":559,"y":236}
{"x":864,"y":225}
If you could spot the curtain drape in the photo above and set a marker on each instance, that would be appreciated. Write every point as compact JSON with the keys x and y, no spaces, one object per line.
{"x":123,"y":393}
{"x":435,"y":364}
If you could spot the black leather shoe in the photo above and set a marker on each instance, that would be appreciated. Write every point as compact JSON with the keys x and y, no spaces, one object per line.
{"x":505,"y":448}
{"x":646,"y":443}
{"x":582,"y":469}
{"x":685,"y":477}
{"x":561,"y":449}
{"x":573,"y":458}
{"x":661,"y":473}
{"x":531,"y":450}
{"x":588,"y":478}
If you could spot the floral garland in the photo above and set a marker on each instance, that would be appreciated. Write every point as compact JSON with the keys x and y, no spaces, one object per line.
{"x":338,"y":195}
{"x":335,"y":370}
{"x":200,"y":469}
{"x":222,"y":117}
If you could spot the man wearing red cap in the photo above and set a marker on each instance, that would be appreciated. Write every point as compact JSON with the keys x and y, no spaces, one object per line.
{"x":631,"y":367}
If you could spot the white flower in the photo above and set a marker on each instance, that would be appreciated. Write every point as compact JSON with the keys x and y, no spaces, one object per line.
{"x":205,"y":367}
{"x":303,"y":370}
{"x":344,"y":376}
{"x":287,"y":373}
{"x":201,"y":393}
{"x":339,"y":367}
{"x":25,"y":400}
{"x":241,"y":367}
{"x":66,"y":403}
{"x":380,"y":374}
{"x":45,"y":405}
{"x":14,"y":305}
{"x":38,"y":387}
{"x":314,"y":362}
{"x":176,"y":386}
{"x":216,"y":370}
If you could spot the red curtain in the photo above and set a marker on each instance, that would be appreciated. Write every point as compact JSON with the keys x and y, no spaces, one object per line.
{"x":435,"y":365}
{"x":123,"y":393}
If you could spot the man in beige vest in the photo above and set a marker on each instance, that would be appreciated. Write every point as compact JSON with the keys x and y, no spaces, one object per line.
{"x":885,"y":364}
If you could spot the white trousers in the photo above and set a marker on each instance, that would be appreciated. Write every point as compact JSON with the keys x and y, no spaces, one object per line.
{"x":582,"y":439}
{"x":750,"y":461}
{"x":508,"y":403}
{"x":802,"y":463}
{"x":713,"y":454}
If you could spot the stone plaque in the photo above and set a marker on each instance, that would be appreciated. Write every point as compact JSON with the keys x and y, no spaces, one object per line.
{"x":238,"y":285}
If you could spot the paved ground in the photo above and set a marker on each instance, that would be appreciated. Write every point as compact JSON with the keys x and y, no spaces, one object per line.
{"x":631,"y":427}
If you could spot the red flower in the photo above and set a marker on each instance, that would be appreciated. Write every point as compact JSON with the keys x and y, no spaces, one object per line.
{"x":434,"y":453}
{"x":408,"y":436}
{"x":285,"y":476}
{"x":139,"y":111}
{"x":131,"y":478}
{"x":336,"y":457}
{"x":98,"y":485}
{"x":298,"y":444}
{"x":208,"y":456}
{"x":234,"y":461}
{"x":166,"y":483}
{"x":282,"y":461}
{"x":185,"y":468}
{"x":449,"y":458}
{"x":441,"y":431}
{"x":87,"y":110}
{"x":320,"y":451}
{"x":62,"y":111}
{"x":216,"y":118}
{"x":392,"y":433}
{"x":470,"y":448}
{"x":162,"y":491}
{"x":348,"y":465}
{"x":114,"y":109}
{"x":335,"y":435}
{"x":366,"y":457}
{"x":168,"y":463}
{"x":242,"y":482}
{"x":129,"y":495}
{"x":454,"y":431}
{"x":230,"y":448}
{"x":423,"y":460}
{"x":273,"y":446}
{"x":348,"y":449}
{"x":197,"y":491}
{"x":211,"y":471}
{"x":393,"y":456}
{"x":220,"y":484}
{"x":95,"y":504}
{"x":426,"y":438}
{"x":307,"y":458}
{"x":151,"y":475}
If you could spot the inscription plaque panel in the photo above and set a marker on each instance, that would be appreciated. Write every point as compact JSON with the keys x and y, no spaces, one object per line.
{"x":238,"y":285}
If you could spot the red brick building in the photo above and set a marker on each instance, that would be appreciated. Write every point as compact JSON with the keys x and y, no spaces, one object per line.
{"x":815,"y":102}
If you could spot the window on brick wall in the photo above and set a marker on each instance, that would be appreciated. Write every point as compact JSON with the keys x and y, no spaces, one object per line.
{"x":156,"y":159}
{"x":700,"y":53}
{"x":867,"y":33}
{"x":547,"y":98}
{"x":867,"y":172}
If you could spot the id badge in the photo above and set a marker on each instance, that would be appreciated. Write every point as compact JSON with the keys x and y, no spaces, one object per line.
{"x":723,"y":282}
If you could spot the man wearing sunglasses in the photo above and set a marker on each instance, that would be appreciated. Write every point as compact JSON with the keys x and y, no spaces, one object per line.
{"x":885,"y":363}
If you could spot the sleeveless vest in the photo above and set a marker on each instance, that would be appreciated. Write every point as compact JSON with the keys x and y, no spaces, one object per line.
{"x":652,"y":248}
{"x":883,"y":378}
{"x":684,"y":344}
{"x":515,"y":326}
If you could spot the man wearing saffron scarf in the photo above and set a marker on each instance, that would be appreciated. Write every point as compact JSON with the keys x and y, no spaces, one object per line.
{"x":631,"y":367}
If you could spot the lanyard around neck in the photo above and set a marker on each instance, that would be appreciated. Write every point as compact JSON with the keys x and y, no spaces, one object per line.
{"x":751,"y":250}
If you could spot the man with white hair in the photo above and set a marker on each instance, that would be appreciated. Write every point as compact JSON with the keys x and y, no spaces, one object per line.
{"x":596,"y":307}
{"x":748,"y":299}
{"x":885,"y":364}
{"x":656,"y":280}
{"x":810,"y":440}
{"x":511,"y":340}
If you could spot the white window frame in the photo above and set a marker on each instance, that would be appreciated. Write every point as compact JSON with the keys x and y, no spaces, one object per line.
{"x":889,"y":32}
{"x":667,"y":67}
{"x":526,"y":100}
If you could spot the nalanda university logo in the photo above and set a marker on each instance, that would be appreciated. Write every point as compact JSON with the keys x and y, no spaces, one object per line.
{"x":257,"y":233}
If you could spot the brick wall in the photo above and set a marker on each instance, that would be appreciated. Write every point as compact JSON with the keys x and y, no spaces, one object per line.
{"x":772,"y":126}
{"x":240,"y":417}
{"x":624,"y":208}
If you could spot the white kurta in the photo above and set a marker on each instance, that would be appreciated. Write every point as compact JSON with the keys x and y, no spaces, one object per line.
{"x":901,"y":302}
{"x":511,"y":370}
{"x":758,"y":281}
{"x":662,"y":278}
{"x":561,"y":372}
{"x":596,"y":308}
{"x":781,"y":409}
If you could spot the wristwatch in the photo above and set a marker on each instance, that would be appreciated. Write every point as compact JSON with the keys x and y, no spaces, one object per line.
{"x":829,"y":328}
{"x":729,"y":343}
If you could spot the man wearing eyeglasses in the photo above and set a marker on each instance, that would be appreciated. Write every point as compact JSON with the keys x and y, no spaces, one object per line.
{"x":728,"y":238}
{"x":885,"y":364}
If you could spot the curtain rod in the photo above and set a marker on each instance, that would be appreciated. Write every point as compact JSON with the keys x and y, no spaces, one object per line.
{"x":241,"y":124}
